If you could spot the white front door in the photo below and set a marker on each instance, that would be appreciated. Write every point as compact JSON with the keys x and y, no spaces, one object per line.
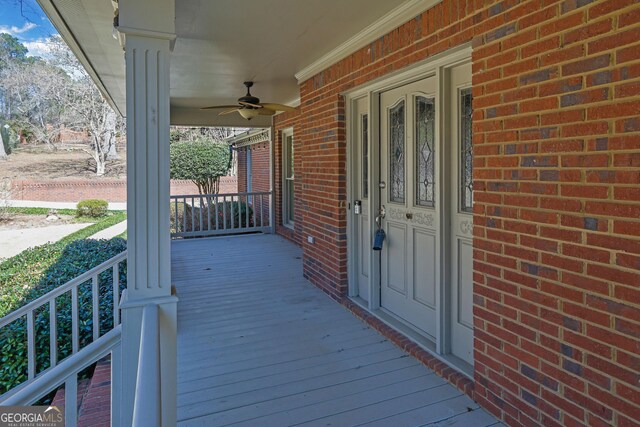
{"x":409,"y":195}
{"x":459,"y":140}
{"x":421,"y":176}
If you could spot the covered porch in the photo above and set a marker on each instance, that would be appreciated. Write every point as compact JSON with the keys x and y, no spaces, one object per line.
{"x":257,"y":343}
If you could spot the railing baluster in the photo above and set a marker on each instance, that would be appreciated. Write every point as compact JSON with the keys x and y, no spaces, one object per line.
{"x":175,"y":215}
{"x":116,"y":294}
{"x":217,"y":221}
{"x":255,"y":214}
{"x":201,"y":207}
{"x":224,"y":212}
{"x":233,"y":217}
{"x":193,"y":214}
{"x":31,"y":345}
{"x":271,"y":212}
{"x":208,"y":213}
{"x":246,"y":211}
{"x":261,"y":202}
{"x":75,"y":342}
{"x":53,"y":333}
{"x":184,"y":214}
{"x":95,"y":307}
{"x":71,"y":400}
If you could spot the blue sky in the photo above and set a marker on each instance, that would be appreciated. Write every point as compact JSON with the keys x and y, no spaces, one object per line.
{"x":26,"y":21}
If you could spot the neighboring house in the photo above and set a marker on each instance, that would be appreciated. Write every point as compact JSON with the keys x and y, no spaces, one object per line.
{"x":70,"y":136}
{"x":253,"y":157}
{"x":496,"y":143}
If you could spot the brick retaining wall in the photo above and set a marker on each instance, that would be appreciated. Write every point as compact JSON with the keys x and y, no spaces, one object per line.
{"x":112,"y":190}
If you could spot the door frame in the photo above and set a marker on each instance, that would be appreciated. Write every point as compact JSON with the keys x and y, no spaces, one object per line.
{"x":436,"y":65}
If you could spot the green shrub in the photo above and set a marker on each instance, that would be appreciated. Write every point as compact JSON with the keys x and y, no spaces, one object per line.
{"x":93,"y":208}
{"x":22,"y":272}
{"x":203,"y":162}
{"x":76,"y":258}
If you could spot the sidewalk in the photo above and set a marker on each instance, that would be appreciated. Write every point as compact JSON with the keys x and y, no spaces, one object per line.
{"x":59,"y":205}
{"x":12,"y":242}
{"x":111,"y":232}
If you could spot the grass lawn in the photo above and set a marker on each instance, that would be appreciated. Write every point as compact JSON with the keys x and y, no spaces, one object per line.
{"x":29,"y":274}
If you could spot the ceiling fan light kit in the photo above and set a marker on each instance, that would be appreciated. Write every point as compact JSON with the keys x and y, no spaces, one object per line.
{"x":250,"y":106}
{"x":248,"y":113}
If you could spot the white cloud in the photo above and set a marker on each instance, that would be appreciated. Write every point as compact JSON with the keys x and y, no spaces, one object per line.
{"x":13,"y":30}
{"x":39,"y":47}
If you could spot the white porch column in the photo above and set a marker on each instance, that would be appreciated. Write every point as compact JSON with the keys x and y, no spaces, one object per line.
{"x":147,"y":31}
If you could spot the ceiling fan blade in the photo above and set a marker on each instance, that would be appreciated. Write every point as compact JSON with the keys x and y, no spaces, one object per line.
{"x":229,"y":111}
{"x":277,"y":107}
{"x":266,"y":112}
{"x":215,"y":107}
{"x":248,"y":104}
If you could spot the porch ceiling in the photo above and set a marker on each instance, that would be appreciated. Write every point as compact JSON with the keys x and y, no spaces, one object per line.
{"x":223,"y":43}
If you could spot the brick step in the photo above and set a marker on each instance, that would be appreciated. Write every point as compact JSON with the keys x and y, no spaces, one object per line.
{"x":96,"y":406}
{"x":94,"y":397}
{"x":58,"y":399}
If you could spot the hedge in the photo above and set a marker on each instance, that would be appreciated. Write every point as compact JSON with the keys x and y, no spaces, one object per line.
{"x":76,"y":258}
{"x":92,"y":208}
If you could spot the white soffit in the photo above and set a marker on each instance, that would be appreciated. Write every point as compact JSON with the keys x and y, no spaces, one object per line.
{"x":223,"y":43}
{"x":402,"y":14}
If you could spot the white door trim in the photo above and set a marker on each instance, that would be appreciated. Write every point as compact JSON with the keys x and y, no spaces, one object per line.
{"x":433,"y":66}
{"x":284,"y":133}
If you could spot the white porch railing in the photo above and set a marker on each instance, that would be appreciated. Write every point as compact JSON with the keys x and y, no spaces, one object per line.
{"x":148,"y":401}
{"x":66,"y":372}
{"x":203,"y":215}
{"x":42,"y":320}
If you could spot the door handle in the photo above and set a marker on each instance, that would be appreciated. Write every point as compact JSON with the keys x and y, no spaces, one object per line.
{"x":409,"y":215}
{"x":381,"y":214}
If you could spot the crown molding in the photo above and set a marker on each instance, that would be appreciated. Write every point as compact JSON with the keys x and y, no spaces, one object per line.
{"x":124,"y":32}
{"x":400,"y":15}
{"x":250,"y":138}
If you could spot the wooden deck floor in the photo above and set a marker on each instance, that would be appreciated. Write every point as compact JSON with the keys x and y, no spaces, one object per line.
{"x":260,"y":346}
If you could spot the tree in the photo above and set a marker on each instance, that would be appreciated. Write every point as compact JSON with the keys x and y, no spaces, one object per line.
{"x":186,"y":133}
{"x":203,"y":162}
{"x":11,"y":50}
{"x":35,"y":95}
{"x":86,"y":108}
{"x":89,"y":111}
{"x":41,"y":97}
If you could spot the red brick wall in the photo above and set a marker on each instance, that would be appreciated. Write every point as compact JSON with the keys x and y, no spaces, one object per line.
{"x":260,"y":163}
{"x":557,"y":248}
{"x":111,"y":190}
{"x":260,"y":173}
{"x":242,"y":171}
{"x":557,"y":179}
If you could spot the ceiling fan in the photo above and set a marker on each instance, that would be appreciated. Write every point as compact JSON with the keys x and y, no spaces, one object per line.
{"x":250,"y":106}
